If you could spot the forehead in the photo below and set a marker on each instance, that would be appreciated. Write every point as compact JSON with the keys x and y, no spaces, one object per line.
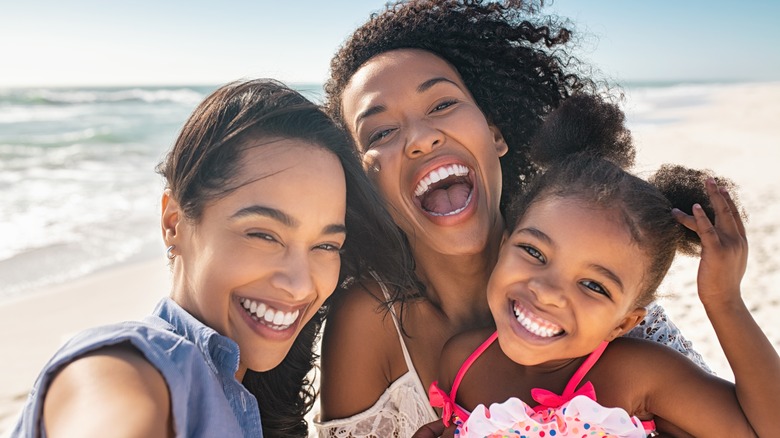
{"x":289,"y":171}
{"x":392,"y":75}
{"x":570,"y":217}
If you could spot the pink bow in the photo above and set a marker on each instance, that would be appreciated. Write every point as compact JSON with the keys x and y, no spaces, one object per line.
{"x":549,"y":399}
{"x":440,"y":399}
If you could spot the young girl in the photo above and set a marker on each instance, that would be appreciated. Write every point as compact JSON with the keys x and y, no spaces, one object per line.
{"x":587,"y":247}
{"x":260,"y":229}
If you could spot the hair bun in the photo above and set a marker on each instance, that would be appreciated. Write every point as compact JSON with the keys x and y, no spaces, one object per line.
{"x":684,"y":187}
{"x":584,"y":124}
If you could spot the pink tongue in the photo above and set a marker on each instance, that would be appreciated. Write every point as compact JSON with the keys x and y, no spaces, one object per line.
{"x":443,"y":201}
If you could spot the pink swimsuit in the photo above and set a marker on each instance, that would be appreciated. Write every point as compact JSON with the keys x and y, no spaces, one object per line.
{"x":575,"y":413}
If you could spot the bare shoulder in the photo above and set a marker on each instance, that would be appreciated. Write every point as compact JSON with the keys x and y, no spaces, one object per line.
{"x":655,"y":380}
{"x":114,"y":388}
{"x":457,"y":350}
{"x":361,"y":352}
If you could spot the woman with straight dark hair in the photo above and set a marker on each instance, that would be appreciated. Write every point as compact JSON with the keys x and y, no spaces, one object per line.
{"x":266,"y":211}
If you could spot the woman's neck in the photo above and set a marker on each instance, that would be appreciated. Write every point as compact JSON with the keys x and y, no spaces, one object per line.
{"x":456,"y":284}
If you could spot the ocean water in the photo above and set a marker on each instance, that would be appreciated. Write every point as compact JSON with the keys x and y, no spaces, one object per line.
{"x":78,"y":191}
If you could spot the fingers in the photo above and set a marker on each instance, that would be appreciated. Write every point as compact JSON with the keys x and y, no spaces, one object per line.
{"x":704,"y":228}
{"x":685,"y":220}
{"x":724,"y":217}
{"x":734,"y":211}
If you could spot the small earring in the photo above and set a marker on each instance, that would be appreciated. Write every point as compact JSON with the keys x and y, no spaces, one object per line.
{"x":169,"y":252}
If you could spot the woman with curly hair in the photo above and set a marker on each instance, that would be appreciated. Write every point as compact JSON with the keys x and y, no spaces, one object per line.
{"x":442,"y":98}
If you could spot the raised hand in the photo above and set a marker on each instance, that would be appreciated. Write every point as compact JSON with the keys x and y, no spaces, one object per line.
{"x":724,"y":247}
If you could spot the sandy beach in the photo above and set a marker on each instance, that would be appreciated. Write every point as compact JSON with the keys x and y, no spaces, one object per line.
{"x":730,"y":129}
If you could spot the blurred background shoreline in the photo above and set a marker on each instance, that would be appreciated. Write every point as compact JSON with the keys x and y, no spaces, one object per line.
{"x":80,"y":242}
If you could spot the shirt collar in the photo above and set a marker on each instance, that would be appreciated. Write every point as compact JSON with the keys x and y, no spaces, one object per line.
{"x":221,"y":352}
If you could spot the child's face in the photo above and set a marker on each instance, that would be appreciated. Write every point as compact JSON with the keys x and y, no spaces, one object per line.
{"x":262,"y":259}
{"x":566,"y":279}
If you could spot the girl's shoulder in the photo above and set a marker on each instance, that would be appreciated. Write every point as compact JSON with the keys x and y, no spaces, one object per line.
{"x":630,"y":370}
{"x":465,"y":343}
{"x":457,"y":350}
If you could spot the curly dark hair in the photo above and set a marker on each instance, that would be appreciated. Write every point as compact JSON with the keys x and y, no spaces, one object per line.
{"x":585,"y":150}
{"x":511,"y":58}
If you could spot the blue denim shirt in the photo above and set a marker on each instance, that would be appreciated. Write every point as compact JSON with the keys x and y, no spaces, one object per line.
{"x":198,"y":364}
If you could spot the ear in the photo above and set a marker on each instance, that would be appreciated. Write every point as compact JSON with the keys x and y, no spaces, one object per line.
{"x":501,"y":147}
{"x":629,"y":321}
{"x":170,"y":218}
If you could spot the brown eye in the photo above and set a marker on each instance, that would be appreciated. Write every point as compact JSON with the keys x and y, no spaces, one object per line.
{"x":379,"y":136}
{"x":533,"y":252}
{"x":444,"y":105}
{"x":595,"y":287}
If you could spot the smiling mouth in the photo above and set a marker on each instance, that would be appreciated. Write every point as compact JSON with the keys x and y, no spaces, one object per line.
{"x":445,"y":191}
{"x":268,"y":316}
{"x":535,"y":324}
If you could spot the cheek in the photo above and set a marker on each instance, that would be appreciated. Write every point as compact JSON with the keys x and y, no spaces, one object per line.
{"x":326,"y":276}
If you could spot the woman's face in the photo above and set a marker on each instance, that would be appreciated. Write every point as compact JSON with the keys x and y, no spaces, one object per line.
{"x":566,"y":279}
{"x":263,"y":258}
{"x":428,"y":148}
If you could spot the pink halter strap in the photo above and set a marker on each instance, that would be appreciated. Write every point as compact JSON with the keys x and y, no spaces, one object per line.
{"x":469,"y":361}
{"x":571,"y":387}
{"x":591,"y":360}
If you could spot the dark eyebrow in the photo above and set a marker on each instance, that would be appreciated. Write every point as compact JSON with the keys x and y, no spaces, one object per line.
{"x":425,"y":86}
{"x":259,"y":210}
{"x":538,"y":234}
{"x":335,"y":229}
{"x":284,"y":218}
{"x":369,"y":112}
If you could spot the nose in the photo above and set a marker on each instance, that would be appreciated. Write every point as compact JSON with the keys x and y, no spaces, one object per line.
{"x":294,"y":275}
{"x":548,"y":290}
{"x":422,"y":139}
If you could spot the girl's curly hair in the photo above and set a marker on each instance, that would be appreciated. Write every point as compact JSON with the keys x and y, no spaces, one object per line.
{"x":511,"y":58}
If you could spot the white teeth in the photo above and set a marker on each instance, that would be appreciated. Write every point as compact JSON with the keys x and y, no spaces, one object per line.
{"x":439,"y":174}
{"x":274,"y":318}
{"x":542,"y":329}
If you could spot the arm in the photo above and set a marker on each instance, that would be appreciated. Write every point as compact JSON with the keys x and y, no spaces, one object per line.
{"x":753,"y":359}
{"x":678,"y":394}
{"x":113,"y":389}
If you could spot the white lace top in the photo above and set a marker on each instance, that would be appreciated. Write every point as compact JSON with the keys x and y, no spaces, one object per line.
{"x":403,"y":408}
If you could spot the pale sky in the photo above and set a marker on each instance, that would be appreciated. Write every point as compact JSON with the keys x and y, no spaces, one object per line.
{"x":144,"y":42}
